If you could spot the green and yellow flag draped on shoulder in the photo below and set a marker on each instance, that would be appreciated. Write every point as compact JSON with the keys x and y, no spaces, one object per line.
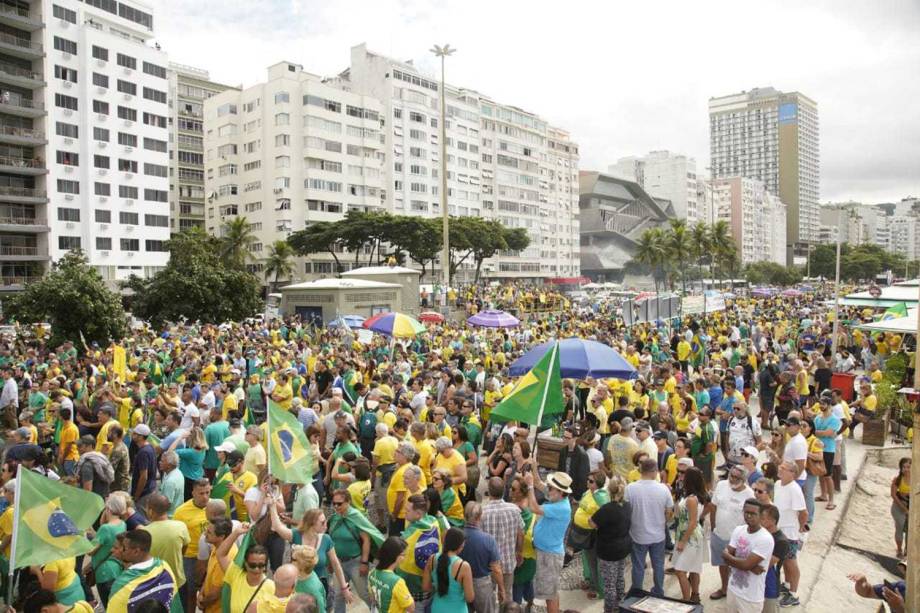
{"x":50,"y":520}
{"x":290,"y":456}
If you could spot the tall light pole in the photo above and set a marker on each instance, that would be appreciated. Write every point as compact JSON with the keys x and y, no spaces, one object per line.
{"x":836,"y":286}
{"x":443,"y":52}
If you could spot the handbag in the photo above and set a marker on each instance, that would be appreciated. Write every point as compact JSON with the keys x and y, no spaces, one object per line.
{"x":815,"y":467}
{"x":262,"y":529}
{"x":580,"y":538}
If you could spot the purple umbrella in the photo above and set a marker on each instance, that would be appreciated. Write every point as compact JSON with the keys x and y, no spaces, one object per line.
{"x":493,"y":319}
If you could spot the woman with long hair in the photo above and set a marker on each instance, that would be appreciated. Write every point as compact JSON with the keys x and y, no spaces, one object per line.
{"x":524,"y":573}
{"x":815,"y":454}
{"x":451,"y":504}
{"x":448,"y":577}
{"x":191,"y":457}
{"x":900,"y":503}
{"x":614,"y":545}
{"x":690,"y":545}
{"x":388,"y":590}
{"x":500,"y":458}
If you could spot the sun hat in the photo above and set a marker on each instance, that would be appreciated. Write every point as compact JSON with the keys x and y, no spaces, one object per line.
{"x":561,"y":481}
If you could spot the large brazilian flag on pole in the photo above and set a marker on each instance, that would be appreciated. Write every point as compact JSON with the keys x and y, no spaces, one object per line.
{"x":50,"y":520}
{"x":290,"y":456}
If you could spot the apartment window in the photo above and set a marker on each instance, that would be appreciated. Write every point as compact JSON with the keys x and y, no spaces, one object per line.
{"x":155,"y":170}
{"x":252,"y":165}
{"x":136,"y":15}
{"x":68,"y":158}
{"x":155,"y":120}
{"x":64,"y":73}
{"x":152,"y":144}
{"x":225,"y":150}
{"x":130,"y":244}
{"x":128,"y":192}
{"x":65,"y":102}
{"x":227,"y":170}
{"x":329,"y":105}
{"x":128,"y":219}
{"x":67,"y":130}
{"x":282,"y":119}
{"x":416,"y":152}
{"x":157,"y":195}
{"x":156,"y":221}
{"x":101,"y":107}
{"x":101,"y":134}
{"x":228,"y":190}
{"x":282,"y":182}
{"x":282,"y":140}
{"x":68,"y":243}
{"x":416,"y":117}
{"x":127,"y":165}
{"x":102,"y":189}
{"x":100,"y":80}
{"x":68,"y":214}
{"x":283,"y":161}
{"x":321,"y":143}
{"x":101,"y":161}
{"x":103,"y":243}
{"x":153,"y":69}
{"x":126,"y":87}
{"x":103,"y":216}
{"x":226,"y":130}
{"x":281,"y":97}
{"x":187,"y":157}
{"x":324,"y":206}
{"x":226,"y":109}
{"x":330,"y":186}
{"x":155,"y":95}
{"x":190,"y":125}
{"x":419,"y":188}
{"x":128,"y":140}
{"x":155,"y":246}
{"x":251,"y":207}
{"x":60,"y":12}
{"x":325,"y":125}
{"x":127,"y":113}
{"x":100,"y":53}
{"x":67,"y":46}
{"x":126,"y":61}
{"x":320,"y":164}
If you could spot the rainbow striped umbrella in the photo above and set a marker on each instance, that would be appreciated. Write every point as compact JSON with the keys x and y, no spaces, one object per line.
{"x":394,"y":324}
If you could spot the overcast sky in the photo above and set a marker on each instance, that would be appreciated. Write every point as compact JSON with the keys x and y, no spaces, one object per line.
{"x":624,"y":77}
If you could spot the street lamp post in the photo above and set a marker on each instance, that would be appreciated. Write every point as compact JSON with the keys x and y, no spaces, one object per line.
{"x":836,"y":287}
{"x":443,"y":52}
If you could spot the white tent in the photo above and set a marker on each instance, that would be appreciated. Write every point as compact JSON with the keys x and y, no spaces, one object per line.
{"x":900,"y":325}
{"x":889,"y":296}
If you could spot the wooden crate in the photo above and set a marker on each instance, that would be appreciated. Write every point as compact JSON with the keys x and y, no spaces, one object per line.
{"x":548,"y":448}
{"x":874,"y":432}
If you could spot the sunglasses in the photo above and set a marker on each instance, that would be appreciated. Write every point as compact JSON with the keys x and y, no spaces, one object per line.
{"x":759,"y":491}
{"x":339,"y":503}
{"x":256,"y":565}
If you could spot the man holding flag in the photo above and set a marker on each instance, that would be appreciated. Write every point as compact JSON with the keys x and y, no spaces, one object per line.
{"x":145,"y":578}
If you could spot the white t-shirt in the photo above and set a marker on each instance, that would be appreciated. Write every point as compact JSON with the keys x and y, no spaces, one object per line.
{"x":837,"y":411}
{"x":741,"y":433}
{"x":649,"y":501}
{"x":189,"y":413}
{"x":744,"y":583}
{"x":789,"y":500}
{"x":796,"y":449}
{"x":729,"y":508}
{"x":595,"y":458}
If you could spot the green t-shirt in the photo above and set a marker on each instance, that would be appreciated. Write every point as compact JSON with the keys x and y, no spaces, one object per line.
{"x":345,"y":538}
{"x":214,"y":435}
{"x":314,"y":587}
{"x":106,"y":567}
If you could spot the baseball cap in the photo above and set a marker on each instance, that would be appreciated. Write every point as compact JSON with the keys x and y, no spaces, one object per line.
{"x":141,"y":430}
{"x":226,"y":447}
{"x":341,"y":415}
{"x":659,"y":435}
{"x":792,"y":421}
{"x":685,"y":462}
{"x":234,"y":458}
{"x":643,"y":425}
{"x":750,"y":450}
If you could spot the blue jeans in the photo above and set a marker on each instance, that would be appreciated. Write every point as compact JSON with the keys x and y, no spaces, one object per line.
{"x":352,"y":571}
{"x":656,"y":552}
{"x":808,"y":490}
{"x":522,"y":591}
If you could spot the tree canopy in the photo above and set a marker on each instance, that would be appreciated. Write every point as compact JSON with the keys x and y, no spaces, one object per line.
{"x":74,"y":299}
{"x":859,"y":263}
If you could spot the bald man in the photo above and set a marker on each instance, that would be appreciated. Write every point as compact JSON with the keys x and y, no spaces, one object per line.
{"x":285,"y":578}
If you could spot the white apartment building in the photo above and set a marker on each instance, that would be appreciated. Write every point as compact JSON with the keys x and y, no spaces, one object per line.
{"x":667,"y":175}
{"x":502,"y":163}
{"x":106,"y":126}
{"x":290,"y":152}
{"x":755,"y":218}
{"x":772,"y":136}
{"x":189,"y":87}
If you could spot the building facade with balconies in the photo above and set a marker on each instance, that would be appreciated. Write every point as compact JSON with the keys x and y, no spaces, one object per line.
{"x":287,"y":153}
{"x":189,"y":87}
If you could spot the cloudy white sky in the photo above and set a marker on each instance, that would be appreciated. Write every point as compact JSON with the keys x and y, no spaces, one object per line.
{"x":624,"y":77}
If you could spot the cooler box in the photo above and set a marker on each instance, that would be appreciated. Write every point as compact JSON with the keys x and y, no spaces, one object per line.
{"x":844,"y":381}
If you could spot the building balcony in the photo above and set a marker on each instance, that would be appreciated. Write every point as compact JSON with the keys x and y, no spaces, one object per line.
{"x":13,"y":104}
{"x":21,"y":253}
{"x":22,"y":195}
{"x":22,"y":223}
{"x":20,"y":18}
{"x":20,"y":47}
{"x":22,"y":166}
{"x":22,"y":136}
{"x":15,"y":75}
{"x":15,"y":284}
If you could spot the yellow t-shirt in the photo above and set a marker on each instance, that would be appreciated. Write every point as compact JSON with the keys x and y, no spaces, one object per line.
{"x":449,"y":464}
{"x":33,"y":433}
{"x":670,"y":386}
{"x":254,"y":458}
{"x":245,"y":481}
{"x":389,"y":418}
{"x":425,"y":450}
{"x":196,"y":520}
{"x":240,"y":590}
{"x":69,"y":434}
{"x":214,"y":578}
{"x":359,"y":491}
{"x":6,"y":529}
{"x":385,"y":449}
{"x":870,"y":402}
{"x":230,"y":404}
{"x":102,"y":439}
{"x":683,"y":351}
{"x":269,"y":603}
{"x":207,"y":373}
{"x":286,"y":394}
{"x":397,"y":485}
{"x":671,"y":468}
{"x":66,"y":572}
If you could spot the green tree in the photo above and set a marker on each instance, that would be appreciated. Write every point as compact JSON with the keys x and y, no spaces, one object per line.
{"x":319,"y":237}
{"x":679,"y":246}
{"x":73,"y":298}
{"x":421,"y":238}
{"x":651,"y":251}
{"x":721,"y":244}
{"x":771,"y":273}
{"x":279,"y":263}
{"x":822,"y":260}
{"x":700,"y":243}
{"x":235,"y":242}
{"x":197,"y":284}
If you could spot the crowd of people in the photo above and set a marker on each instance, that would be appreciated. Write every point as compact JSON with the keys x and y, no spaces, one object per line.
{"x":419,"y":500}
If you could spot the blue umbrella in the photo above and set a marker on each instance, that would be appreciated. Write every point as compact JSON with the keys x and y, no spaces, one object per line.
{"x":346,"y":321}
{"x":579,"y":359}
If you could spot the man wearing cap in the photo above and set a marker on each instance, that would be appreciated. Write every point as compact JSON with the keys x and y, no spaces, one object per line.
{"x":553,"y":518}
{"x":664,"y":453}
{"x":144,"y":466}
{"x":651,"y":505}
{"x":239,"y":482}
{"x":796,"y":449}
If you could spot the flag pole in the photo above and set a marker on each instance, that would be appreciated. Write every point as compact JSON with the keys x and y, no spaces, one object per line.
{"x":552,"y":363}
{"x":9,"y":587}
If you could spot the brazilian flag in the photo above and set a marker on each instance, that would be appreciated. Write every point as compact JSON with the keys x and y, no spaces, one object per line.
{"x":290,"y":456}
{"x":50,"y":520}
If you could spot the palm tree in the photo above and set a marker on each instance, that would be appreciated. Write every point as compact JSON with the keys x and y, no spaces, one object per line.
{"x":679,"y":245}
{"x":700,"y":244}
{"x":279,"y":262}
{"x":720,"y":243}
{"x":651,"y":251}
{"x":235,"y":241}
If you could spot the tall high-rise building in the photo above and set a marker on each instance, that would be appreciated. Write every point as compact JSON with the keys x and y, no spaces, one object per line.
{"x":502,"y":163}
{"x":667,"y":175}
{"x":755,"y":217}
{"x":772,"y":136}
{"x":189,"y":87}
{"x":290,"y":152}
